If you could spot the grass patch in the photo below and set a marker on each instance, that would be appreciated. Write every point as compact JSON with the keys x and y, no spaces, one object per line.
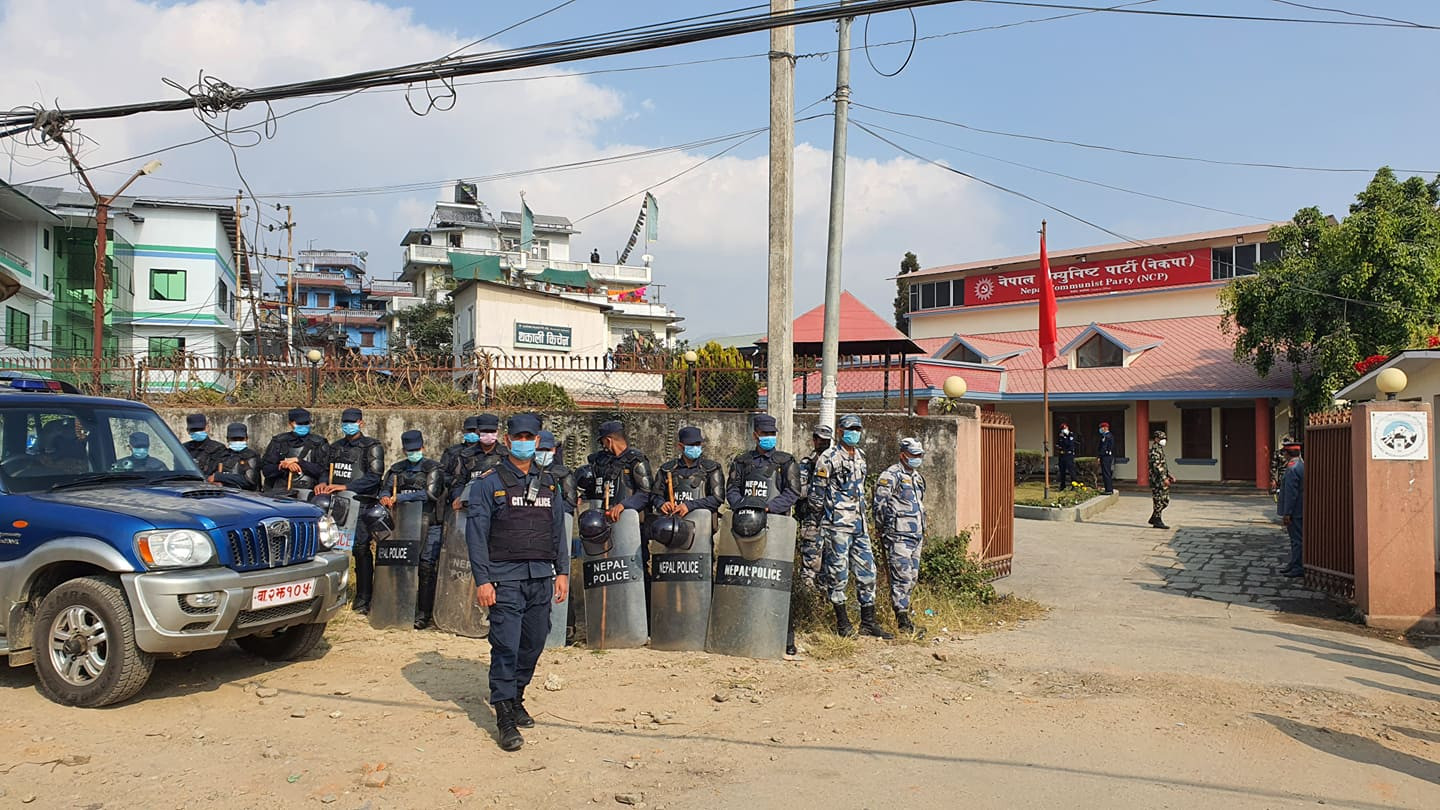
{"x":1032,"y":493}
{"x":826,"y":646}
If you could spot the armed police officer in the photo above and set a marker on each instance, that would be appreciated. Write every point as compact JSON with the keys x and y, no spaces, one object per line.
{"x":140,"y":459}
{"x":201,"y":447}
{"x":1160,"y":479}
{"x":469,"y":435}
{"x":418,"y":478}
{"x":697,"y":481}
{"x":1107,"y":457}
{"x":900,"y":517}
{"x":808,"y":515}
{"x":622,"y":472}
{"x":1065,"y":450}
{"x":1290,"y":505}
{"x":237,"y":464}
{"x":294,"y":459}
{"x":838,"y":489}
{"x":766,"y":476}
{"x":547,"y":457}
{"x":519,"y":557}
{"x":356,"y":464}
{"x":466,"y":465}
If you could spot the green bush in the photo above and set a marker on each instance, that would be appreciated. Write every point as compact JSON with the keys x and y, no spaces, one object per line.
{"x":716,"y":386}
{"x":1028,"y":464}
{"x":542,"y":395}
{"x":1089,"y":468}
{"x":947,"y":565}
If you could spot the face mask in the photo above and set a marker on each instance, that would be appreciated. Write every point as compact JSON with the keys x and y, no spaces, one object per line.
{"x":850,"y":437}
{"x":199,"y":436}
{"x":767,"y":443}
{"x":238,"y":446}
{"x":523,"y":449}
{"x":471,"y":437}
{"x":416,"y":456}
{"x":1065,"y":432}
{"x":350,"y":428}
{"x":914,"y":462}
{"x":301,"y":430}
{"x":544,"y":457}
{"x":487,"y":439}
{"x":693,"y":451}
{"x":140,"y":452}
{"x":1162,"y":442}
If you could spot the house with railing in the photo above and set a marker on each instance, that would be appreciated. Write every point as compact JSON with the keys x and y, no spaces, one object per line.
{"x":338,"y":308}
{"x":27,"y":297}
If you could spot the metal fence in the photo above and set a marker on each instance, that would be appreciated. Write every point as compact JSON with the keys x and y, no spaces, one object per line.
{"x":1329,"y":551}
{"x":997,"y":492}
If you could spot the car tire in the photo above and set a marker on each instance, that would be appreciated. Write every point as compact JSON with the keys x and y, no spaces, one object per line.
{"x":289,"y":644}
{"x":84,"y":642}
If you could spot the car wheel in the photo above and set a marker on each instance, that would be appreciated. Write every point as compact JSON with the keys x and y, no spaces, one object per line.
{"x":289,"y":644}
{"x":85,"y":651}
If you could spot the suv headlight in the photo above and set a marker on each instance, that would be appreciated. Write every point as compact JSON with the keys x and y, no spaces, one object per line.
{"x":174,"y":548}
{"x":329,"y":532}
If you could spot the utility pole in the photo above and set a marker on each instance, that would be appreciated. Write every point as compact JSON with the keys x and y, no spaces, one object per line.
{"x":779,"y":339}
{"x":290,"y":277}
{"x":830,"y":347}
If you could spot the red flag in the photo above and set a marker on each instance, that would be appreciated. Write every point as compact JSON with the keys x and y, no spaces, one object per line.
{"x":1048,"y":339}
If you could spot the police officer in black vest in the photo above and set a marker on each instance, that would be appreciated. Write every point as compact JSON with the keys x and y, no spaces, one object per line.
{"x":519,"y":558}
{"x":1065,"y":449}
{"x":201,"y":447}
{"x":764,"y":473}
{"x":356,"y":463}
{"x":485,"y":453}
{"x":547,"y":457}
{"x":294,"y":459}
{"x":237,"y":464}
{"x":416,"y":478}
{"x":698,"y":481}
{"x":622,"y":472}
{"x":1107,"y":457}
{"x":469,"y":435}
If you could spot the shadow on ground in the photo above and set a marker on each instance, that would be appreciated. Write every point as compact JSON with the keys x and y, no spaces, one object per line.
{"x":1355,"y":748}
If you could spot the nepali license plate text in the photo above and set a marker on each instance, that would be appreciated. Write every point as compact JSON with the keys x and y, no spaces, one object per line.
{"x":282,"y":594}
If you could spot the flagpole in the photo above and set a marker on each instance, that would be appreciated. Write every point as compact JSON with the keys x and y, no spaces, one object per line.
{"x":1045,"y":378}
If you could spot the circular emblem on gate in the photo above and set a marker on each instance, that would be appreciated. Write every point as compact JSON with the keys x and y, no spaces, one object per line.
{"x":985,"y":288}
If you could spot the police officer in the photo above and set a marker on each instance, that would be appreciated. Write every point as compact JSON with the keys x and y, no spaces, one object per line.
{"x":1065,"y":449}
{"x":417,"y":478}
{"x":201,"y":447}
{"x":1160,"y":479}
{"x":519,"y":558}
{"x":237,"y":464}
{"x":697,"y":481}
{"x":547,"y":457}
{"x":485,"y":453}
{"x":469,"y":435}
{"x":140,"y":459}
{"x":900,"y":516}
{"x":622,"y":472}
{"x":809,"y":516}
{"x":294,"y":459}
{"x":1107,"y":457}
{"x":767,"y":475}
{"x":838,"y":488}
{"x":1291,"y":507}
{"x":356,"y":463}
{"x":1279,"y":461}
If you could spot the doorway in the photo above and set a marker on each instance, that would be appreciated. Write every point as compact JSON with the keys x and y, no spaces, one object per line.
{"x":1237,"y":444}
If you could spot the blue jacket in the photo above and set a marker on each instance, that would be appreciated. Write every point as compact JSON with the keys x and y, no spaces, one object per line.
{"x":1292,"y":491}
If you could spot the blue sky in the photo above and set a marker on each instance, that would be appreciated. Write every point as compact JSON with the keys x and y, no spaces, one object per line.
{"x":1242,"y":91}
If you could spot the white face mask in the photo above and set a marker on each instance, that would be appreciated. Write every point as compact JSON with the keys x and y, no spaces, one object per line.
{"x":1162,"y":442}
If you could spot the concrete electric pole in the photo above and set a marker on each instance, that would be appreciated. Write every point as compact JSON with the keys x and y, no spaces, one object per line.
{"x":779,"y":340}
{"x":830,"y":348}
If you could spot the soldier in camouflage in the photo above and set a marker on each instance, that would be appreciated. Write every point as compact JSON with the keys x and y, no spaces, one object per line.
{"x":809,"y":517}
{"x":900,"y":517}
{"x":1160,"y":479}
{"x":838,"y":490}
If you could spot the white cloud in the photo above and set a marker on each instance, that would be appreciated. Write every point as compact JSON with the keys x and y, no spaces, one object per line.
{"x":713,"y":233}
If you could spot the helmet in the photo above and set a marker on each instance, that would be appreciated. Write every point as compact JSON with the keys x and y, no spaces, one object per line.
{"x":585,"y":481}
{"x":378,"y":519}
{"x":340,"y":509}
{"x":594,"y":531}
{"x":671,"y":531}
{"x":322,"y":502}
{"x":747,"y":522}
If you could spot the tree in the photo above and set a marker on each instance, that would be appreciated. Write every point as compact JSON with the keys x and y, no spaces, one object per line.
{"x":1343,"y":292}
{"x":427,"y":329}
{"x":908,"y":265}
{"x":710,"y":384}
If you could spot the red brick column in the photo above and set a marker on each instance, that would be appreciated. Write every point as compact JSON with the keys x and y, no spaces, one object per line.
{"x":1264,"y":442}
{"x":1141,"y":451}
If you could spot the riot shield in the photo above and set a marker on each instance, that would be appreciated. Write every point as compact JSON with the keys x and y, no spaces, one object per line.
{"x":750,"y":609}
{"x":576,"y":615}
{"x":455,"y":608}
{"x":680,"y":588}
{"x":615,"y":588}
{"x":397,"y":568}
{"x":345,"y":510}
{"x":559,"y":611}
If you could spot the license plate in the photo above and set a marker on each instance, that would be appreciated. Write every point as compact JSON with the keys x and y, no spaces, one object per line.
{"x":282,"y":594}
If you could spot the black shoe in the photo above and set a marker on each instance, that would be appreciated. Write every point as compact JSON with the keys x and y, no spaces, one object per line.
{"x":1292,"y":573}
{"x":522,"y":717}
{"x":1159,"y":525}
{"x":870,"y":627}
{"x":842,"y":621}
{"x":790,"y":642}
{"x":904,"y":625}
{"x":362,"y":608}
{"x":422,"y":622}
{"x":505,"y":721}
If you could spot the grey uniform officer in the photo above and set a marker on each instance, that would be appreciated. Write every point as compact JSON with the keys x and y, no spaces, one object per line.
{"x":838,"y":489}
{"x":519,"y":556}
{"x":1290,"y":505}
{"x":900,"y":517}
{"x":807,"y":515}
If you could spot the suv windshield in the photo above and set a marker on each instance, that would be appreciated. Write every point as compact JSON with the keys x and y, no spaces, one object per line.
{"x":45,"y":445}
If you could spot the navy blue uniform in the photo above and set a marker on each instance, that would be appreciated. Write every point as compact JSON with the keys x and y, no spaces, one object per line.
{"x":1107,"y":461}
{"x":1292,"y":505}
{"x":516,"y":533}
{"x":1065,"y":449}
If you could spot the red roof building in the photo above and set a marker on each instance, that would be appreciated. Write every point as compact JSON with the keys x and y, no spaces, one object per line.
{"x":862,"y":332}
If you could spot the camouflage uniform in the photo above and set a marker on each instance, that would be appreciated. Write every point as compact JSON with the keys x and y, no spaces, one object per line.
{"x":837,"y":489}
{"x":809,"y":531}
{"x":900,"y":516}
{"x":1159,"y":480}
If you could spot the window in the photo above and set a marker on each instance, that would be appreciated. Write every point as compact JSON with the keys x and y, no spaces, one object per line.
{"x":222,"y":294}
{"x":1099,"y":352}
{"x":914,"y":296}
{"x":167,"y":285}
{"x":17,"y":328}
{"x":455,"y":240}
{"x":937,"y":294}
{"x":166,"y":346}
{"x":927,"y":296}
{"x":964,"y":354}
{"x":45,"y":235}
{"x":1240,"y":260}
{"x":1195,"y":433}
{"x":942,"y":294}
{"x":367,"y":339}
{"x":322,"y":300}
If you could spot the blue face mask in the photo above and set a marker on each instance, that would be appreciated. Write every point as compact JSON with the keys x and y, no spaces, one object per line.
{"x":199,"y":436}
{"x":914,"y":462}
{"x":471,"y":437}
{"x":523,"y":449}
{"x":238,"y":446}
{"x":415,"y":456}
{"x":693,"y":451}
{"x":350,"y":428}
{"x":767,"y":443}
{"x":544,"y":457}
{"x":140,"y":452}
{"x":301,"y":430}
{"x":850,"y":437}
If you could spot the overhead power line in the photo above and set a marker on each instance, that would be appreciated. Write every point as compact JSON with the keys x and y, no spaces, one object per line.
{"x":1378,"y":23}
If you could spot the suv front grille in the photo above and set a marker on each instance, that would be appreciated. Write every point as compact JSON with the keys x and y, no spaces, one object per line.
{"x":249,"y":618}
{"x":253,"y":548}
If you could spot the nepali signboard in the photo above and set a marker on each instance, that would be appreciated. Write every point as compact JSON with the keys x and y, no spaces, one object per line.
{"x":539,"y":336}
{"x":1110,"y":275}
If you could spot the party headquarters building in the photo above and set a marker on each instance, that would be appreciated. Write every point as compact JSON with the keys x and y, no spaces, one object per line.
{"x":1142,"y":347}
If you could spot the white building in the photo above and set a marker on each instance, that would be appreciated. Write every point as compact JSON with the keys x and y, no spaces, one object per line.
{"x":26,"y":275}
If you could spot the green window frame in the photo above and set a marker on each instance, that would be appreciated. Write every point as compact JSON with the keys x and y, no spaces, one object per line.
{"x":17,"y":329}
{"x":167,"y":285}
{"x":165,"y":346}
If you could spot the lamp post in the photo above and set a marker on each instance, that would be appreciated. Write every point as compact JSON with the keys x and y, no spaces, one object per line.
{"x":691,"y":398}
{"x":1390,"y":382}
{"x":314,"y":356}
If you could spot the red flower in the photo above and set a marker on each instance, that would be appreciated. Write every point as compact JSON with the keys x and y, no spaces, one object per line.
{"x":1433,"y":341}
{"x":1371,"y":362}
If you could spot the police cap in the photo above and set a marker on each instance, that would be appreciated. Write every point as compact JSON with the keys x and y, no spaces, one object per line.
{"x":524,"y":423}
{"x":613,"y":427}
{"x":1291,"y":446}
{"x":237,"y":430}
{"x":824,"y":432}
{"x":764,"y":423}
{"x":690,"y":435}
{"x":545,"y":440}
{"x":487,"y":422}
{"x":139,"y":440}
{"x":1157,"y":434}
{"x":195,"y":422}
{"x":912,"y":446}
{"x":412,"y":440}
{"x":351,"y":415}
{"x":849,"y":422}
{"x":472,"y":424}
{"x":299,"y":416}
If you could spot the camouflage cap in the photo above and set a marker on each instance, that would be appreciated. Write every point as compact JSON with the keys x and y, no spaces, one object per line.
{"x":1157,"y":434}
{"x":912,"y":446}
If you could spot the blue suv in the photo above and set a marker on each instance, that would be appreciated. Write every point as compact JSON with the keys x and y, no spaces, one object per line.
{"x":114,"y":550}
